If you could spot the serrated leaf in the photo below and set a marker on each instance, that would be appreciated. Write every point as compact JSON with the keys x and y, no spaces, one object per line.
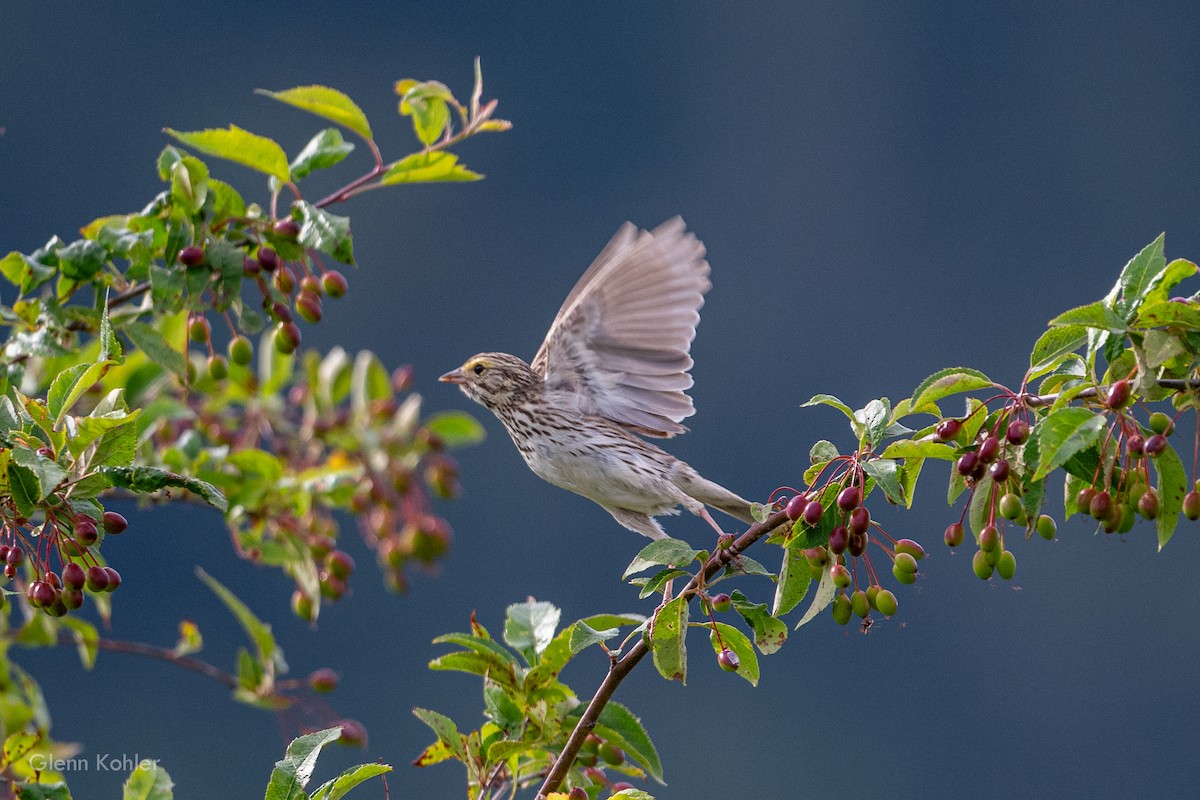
{"x":293,"y":772}
{"x":873,"y":420}
{"x":583,"y":636}
{"x":1056,"y":342}
{"x":1138,"y":277}
{"x":794,"y":580}
{"x":769,"y":632}
{"x":328,"y":233}
{"x":667,"y":639}
{"x":436,"y":753}
{"x":148,"y":781}
{"x":455,"y":428}
{"x":1172,"y":486}
{"x":327,"y":103}
{"x":822,"y":451}
{"x":445,"y":730}
{"x":1169,"y":313}
{"x":1161,"y":288}
{"x":16,"y":745}
{"x":829,"y":400}
{"x":887,"y":478}
{"x":436,"y":167}
{"x":946,"y":382}
{"x":821,"y":600}
{"x":324,"y":150}
{"x":529,"y":627}
{"x":239,"y":146}
{"x":24,"y":488}
{"x":617,"y":720}
{"x":666,"y":552}
{"x":144,"y":480}
{"x":1062,"y":434}
{"x":1096,"y":315}
{"x":910,"y":448}
{"x":150,"y":341}
{"x":339,"y":786}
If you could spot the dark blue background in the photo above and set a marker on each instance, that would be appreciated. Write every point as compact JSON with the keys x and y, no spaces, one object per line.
{"x":884,"y":189}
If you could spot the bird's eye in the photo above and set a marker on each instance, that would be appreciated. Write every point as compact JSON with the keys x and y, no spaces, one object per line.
{"x":477,"y":369}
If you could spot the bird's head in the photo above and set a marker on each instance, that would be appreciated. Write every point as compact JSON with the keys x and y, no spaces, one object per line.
{"x":494,"y":379}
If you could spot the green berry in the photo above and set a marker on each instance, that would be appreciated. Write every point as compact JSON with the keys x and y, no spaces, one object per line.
{"x":1161,"y":423}
{"x":841,"y":609}
{"x":905,"y":562}
{"x":979,"y":563}
{"x":1148,"y":504}
{"x":1046,"y":526}
{"x":1083,"y":500}
{"x":912,"y":548}
{"x":885,"y":603}
{"x":218,"y":370}
{"x":1191,"y":505}
{"x":611,"y":754}
{"x":199,"y":330}
{"x":1010,"y":506}
{"x":860,"y":604}
{"x":721,"y":602}
{"x":240,"y":350}
{"x":840,"y":576}
{"x":1007,"y":565}
{"x":334,"y":283}
{"x":903,"y":575}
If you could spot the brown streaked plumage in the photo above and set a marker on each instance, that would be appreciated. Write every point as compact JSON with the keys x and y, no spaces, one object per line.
{"x":613,"y":365}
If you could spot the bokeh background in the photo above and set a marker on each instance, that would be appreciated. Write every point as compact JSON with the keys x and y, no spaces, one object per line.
{"x":885,"y":189}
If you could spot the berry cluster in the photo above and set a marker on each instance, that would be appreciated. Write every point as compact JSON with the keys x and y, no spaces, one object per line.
{"x":594,"y":755}
{"x":836,"y":506}
{"x":67,"y":539}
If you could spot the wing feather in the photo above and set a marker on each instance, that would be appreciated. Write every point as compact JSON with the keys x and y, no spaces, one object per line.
{"x":618,"y":347}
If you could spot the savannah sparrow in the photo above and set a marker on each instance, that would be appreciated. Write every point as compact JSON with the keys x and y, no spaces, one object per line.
{"x":614,"y":364}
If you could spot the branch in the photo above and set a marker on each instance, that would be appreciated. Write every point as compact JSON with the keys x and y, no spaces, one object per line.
{"x":168,"y":655}
{"x":623,"y":666}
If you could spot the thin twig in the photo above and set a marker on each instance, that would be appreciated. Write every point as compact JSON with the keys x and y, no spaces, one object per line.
{"x":168,"y":655}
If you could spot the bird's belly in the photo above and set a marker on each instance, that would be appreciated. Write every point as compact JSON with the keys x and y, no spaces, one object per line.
{"x":611,"y":477}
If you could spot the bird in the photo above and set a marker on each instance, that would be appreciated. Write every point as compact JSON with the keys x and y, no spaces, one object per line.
{"x":613,"y":369}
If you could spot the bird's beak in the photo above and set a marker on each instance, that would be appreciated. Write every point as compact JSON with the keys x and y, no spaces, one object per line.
{"x":454,"y":376}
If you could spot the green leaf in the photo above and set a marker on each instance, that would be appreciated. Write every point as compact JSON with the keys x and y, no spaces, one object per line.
{"x":667,"y":640}
{"x":1096,"y":315}
{"x":830,"y":400}
{"x":886,"y":475}
{"x":946,"y":382}
{"x":1056,"y":342}
{"x":258,"y":631}
{"x":874,"y":419}
{"x":239,"y":146}
{"x":189,"y":184}
{"x":529,"y":627}
{"x":17,"y":745}
{"x":24,"y":272}
{"x":618,"y":720}
{"x":144,"y":480}
{"x":87,"y":639}
{"x":822,"y":451}
{"x":339,"y":786}
{"x":225,"y":259}
{"x":43,"y":791}
{"x":1172,"y":486}
{"x":1161,"y":347}
{"x":24,"y":488}
{"x":150,"y":341}
{"x":322,"y":151}
{"x":1139,"y":276}
{"x":148,"y":781}
{"x":291,"y":774}
{"x":911,"y":448}
{"x":821,"y":600}
{"x":794,"y":580}
{"x":455,"y":428}
{"x":70,"y":385}
{"x":738,"y":642}
{"x":323,"y":231}
{"x":1161,"y":289}
{"x":166,"y":294}
{"x":445,"y":729}
{"x":583,"y":636}
{"x":110,"y":345}
{"x":1062,"y":434}
{"x":117,"y":446}
{"x":655,"y":583}
{"x":435,"y":167}
{"x":426,"y":102}
{"x":667,"y":552}
{"x":327,"y":103}
{"x":981,"y":504}
{"x":769,"y":632}
{"x":1169,"y":313}
{"x":81,"y":259}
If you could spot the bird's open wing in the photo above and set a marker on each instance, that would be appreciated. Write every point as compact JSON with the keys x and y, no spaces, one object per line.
{"x":619,"y":345}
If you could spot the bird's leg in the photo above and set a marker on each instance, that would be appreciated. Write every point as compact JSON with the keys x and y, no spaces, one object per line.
{"x":707,"y":517}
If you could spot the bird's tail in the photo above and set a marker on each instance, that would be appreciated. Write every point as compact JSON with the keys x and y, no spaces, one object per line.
{"x":715,"y":495}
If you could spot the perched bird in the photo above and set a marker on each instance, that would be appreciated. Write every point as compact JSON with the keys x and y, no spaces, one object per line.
{"x":614,"y":365}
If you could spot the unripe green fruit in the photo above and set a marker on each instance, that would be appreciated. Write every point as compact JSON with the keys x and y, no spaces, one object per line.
{"x":954,"y":534}
{"x":287,"y":337}
{"x":902,"y":575}
{"x":591,"y":744}
{"x":728,"y":661}
{"x":1128,"y":517}
{"x":1006,"y":567}
{"x":1010,"y":506}
{"x":905,"y":562}
{"x":611,"y":754}
{"x":873,"y":593}
{"x":199,"y":330}
{"x":284,"y":280}
{"x":218,"y":370}
{"x":302,"y":606}
{"x":1083,"y":500}
{"x":840,"y":576}
{"x":992,"y":556}
{"x":1161,"y":423}
{"x":841,"y":609}
{"x":912,"y":548}
{"x":721,"y":603}
{"x":989,"y":539}
{"x":240,"y":350}
{"x":859,"y":604}
{"x":979,"y":563}
{"x":1046,"y":527}
{"x":885,"y":603}
{"x":308,"y":306}
{"x":1191,"y":505}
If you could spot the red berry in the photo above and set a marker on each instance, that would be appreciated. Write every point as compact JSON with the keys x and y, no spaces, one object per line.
{"x":989,"y":449}
{"x":947,"y":429}
{"x":73,"y":576}
{"x":114,"y":523}
{"x":250,"y":267}
{"x":912,"y":548}
{"x":1000,"y":471}
{"x":1135,"y":445}
{"x":729,"y":660}
{"x":42,"y":594}
{"x":340,"y":564}
{"x":721,"y":602}
{"x":353,"y":732}
{"x":1101,"y":505}
{"x":85,"y":532}
{"x":1191,"y":505}
{"x":287,"y":337}
{"x":323,"y":680}
{"x":334,"y":283}
{"x":813,"y":512}
{"x":1118,"y":395}
{"x":1018,"y":431}
{"x":954,"y":534}
{"x":849,"y":498}
{"x":286,"y":228}
{"x":621,"y":786}
{"x":839,"y":538}
{"x":1148,"y":504}
{"x":860,"y":520}
{"x":795,"y":507}
{"x":989,"y":539}
{"x":114,"y":579}
{"x":1083,"y":500}
{"x":308,"y":306}
{"x":1155,"y":445}
{"x":191,"y":256}
{"x":284,"y":280}
{"x":857,"y":544}
{"x":967,"y":463}
{"x":15,"y":556}
{"x":268,"y":259}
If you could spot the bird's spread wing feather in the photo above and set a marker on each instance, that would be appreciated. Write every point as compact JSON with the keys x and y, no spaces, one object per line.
{"x":619,"y":345}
